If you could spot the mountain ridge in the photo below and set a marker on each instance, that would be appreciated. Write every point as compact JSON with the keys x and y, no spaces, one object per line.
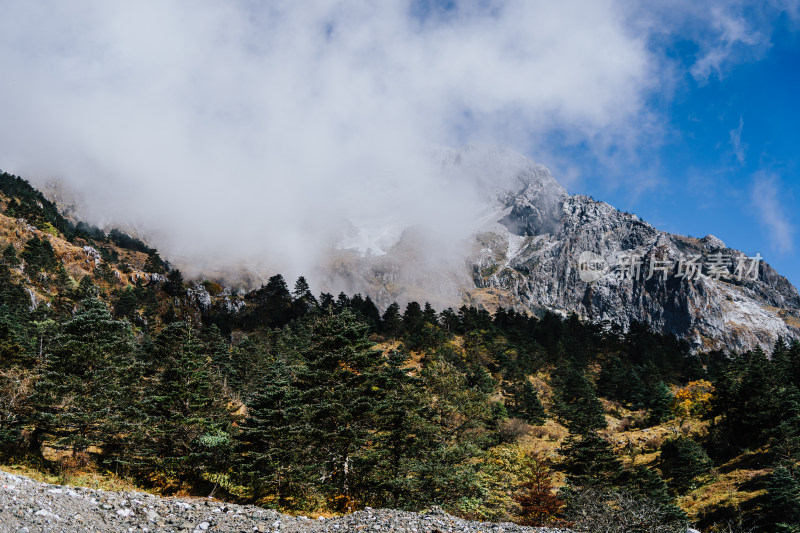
{"x":527,"y":249}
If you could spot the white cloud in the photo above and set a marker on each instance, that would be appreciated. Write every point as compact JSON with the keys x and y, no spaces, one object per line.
{"x":737,"y":146}
{"x":766,"y":200}
{"x":250,"y":129}
{"x":731,"y":32}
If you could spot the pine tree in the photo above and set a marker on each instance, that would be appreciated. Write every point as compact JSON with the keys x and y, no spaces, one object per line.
{"x":11,"y":294}
{"x":65,"y":286}
{"x":527,"y":405}
{"x":392,"y":321}
{"x":682,"y":460}
{"x":10,"y":256}
{"x":784,"y":439}
{"x":646,"y":483}
{"x":369,"y":312}
{"x":125,"y":302}
{"x":154,"y":263}
{"x":782,"y":505}
{"x":401,"y":438}
{"x":86,"y":288}
{"x":660,"y":404}
{"x":590,"y":460}
{"x":268,"y":445}
{"x":303,"y":301}
{"x":326,"y":302}
{"x":13,"y":350}
{"x":429,"y":315}
{"x":793,"y":375}
{"x":39,"y":255}
{"x":87,"y":379}
{"x":444,"y":473}
{"x":174,"y":285}
{"x":336,"y":386}
{"x":185,"y":431}
{"x":538,"y":505}
{"x":576,"y":400}
{"x":413,"y":318}
{"x":273,"y":302}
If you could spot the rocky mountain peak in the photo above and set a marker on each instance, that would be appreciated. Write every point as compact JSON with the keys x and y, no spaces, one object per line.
{"x":698,"y":289}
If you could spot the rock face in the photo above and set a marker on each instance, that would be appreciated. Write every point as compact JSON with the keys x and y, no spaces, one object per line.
{"x":572,"y":254}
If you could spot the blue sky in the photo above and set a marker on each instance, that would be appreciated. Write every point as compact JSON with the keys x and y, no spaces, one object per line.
{"x":728,"y":160}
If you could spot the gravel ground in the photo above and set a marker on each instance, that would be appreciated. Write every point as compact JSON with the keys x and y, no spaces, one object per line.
{"x":31,"y":507}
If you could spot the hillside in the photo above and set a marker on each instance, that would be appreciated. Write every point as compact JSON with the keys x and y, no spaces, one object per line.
{"x":112,"y":364}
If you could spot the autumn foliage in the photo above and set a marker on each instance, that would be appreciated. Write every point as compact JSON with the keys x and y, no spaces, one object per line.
{"x":538,"y":504}
{"x":693,"y":400}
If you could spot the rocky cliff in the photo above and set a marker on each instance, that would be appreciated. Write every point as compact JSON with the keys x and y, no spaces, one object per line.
{"x":573,"y":254}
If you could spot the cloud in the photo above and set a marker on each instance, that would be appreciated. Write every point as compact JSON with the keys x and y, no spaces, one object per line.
{"x":732,"y":33}
{"x":248,"y":132}
{"x":737,"y":146}
{"x":766,"y":200}
{"x":723,"y":34}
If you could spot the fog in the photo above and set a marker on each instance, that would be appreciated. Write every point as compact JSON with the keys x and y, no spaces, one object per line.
{"x":255,"y":133}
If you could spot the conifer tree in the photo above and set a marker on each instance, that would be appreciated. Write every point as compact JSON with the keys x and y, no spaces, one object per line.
{"x":660,"y":404}
{"x":39,"y":255}
{"x":682,"y":460}
{"x":538,"y":505}
{"x":336,"y":386}
{"x":527,"y":405}
{"x":274,"y":302}
{"x":590,"y":460}
{"x":392,"y":321}
{"x":185,"y":432}
{"x":326,"y":302}
{"x":461,"y":414}
{"x":12,"y":295}
{"x":87,"y":379}
{"x":174,"y":285}
{"x":65,"y":286}
{"x":13,"y":350}
{"x":10,"y":256}
{"x":576,"y":400}
{"x":782,"y":506}
{"x":784,"y":438}
{"x":413,"y":318}
{"x":125,"y":302}
{"x":402,"y":437}
{"x":303,"y":301}
{"x":154,"y":263}
{"x":429,"y":315}
{"x":268,"y":445}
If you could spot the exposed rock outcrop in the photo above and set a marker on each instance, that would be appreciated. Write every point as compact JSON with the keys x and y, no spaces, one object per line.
{"x":699,"y":289}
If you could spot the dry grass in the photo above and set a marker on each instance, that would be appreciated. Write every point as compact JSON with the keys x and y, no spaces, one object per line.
{"x":491,"y":299}
{"x":729,"y":489}
{"x":83,"y":478}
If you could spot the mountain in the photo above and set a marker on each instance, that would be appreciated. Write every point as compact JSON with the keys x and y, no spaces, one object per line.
{"x":526,"y":253}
